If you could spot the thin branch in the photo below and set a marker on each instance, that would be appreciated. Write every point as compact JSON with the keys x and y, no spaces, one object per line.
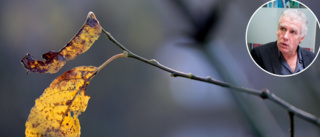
{"x":264,"y":94}
{"x":109,"y":36}
{"x":291,"y":115}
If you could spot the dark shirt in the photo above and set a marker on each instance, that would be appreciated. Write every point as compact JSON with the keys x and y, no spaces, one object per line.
{"x":268,"y":58}
{"x":285,"y":68}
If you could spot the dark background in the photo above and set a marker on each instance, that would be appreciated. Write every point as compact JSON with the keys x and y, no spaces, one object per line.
{"x":130,"y":98}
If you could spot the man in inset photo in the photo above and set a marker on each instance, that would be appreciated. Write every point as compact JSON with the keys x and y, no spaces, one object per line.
{"x":284,"y":56}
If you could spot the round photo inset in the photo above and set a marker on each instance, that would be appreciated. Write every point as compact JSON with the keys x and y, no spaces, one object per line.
{"x":283,"y":37}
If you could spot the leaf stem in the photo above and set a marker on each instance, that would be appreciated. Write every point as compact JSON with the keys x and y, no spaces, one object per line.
{"x":109,"y":60}
{"x":264,"y":94}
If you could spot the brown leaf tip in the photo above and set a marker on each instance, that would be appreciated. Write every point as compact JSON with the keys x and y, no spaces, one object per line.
{"x":91,"y":15}
{"x":92,"y":20}
{"x":25,"y":60}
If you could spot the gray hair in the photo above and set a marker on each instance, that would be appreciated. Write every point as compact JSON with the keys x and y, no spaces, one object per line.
{"x":296,"y":15}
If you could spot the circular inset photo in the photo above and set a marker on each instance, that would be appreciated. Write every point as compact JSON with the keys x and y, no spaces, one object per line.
{"x":283,"y":37}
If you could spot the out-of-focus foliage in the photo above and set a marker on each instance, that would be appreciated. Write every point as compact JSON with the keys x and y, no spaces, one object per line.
{"x":79,"y":44}
{"x":56,"y":111}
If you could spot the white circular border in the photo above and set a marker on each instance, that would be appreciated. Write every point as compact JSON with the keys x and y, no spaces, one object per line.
{"x":259,"y":65}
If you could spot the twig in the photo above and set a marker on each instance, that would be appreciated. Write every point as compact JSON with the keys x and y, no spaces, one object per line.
{"x":264,"y":94}
{"x":291,"y":115}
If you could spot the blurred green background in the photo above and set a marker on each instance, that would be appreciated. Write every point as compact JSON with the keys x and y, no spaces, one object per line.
{"x":130,"y":98}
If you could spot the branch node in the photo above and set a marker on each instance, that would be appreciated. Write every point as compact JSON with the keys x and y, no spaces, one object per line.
{"x":154,"y":61}
{"x":174,"y":74}
{"x":126,"y":54}
{"x":190,"y":75}
{"x":265,"y":94}
{"x":209,"y":78}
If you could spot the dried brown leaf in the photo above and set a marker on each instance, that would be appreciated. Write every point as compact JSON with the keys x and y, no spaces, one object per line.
{"x":79,"y":44}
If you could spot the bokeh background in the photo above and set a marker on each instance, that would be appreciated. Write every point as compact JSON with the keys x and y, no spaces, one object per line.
{"x":130,"y":98}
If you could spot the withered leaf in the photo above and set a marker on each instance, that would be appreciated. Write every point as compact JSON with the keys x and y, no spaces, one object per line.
{"x":79,"y":44}
{"x":56,"y":111}
{"x":52,"y":64}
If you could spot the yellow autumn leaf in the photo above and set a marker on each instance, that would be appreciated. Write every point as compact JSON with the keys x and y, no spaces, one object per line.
{"x":56,"y":111}
{"x":84,"y":39}
{"x":80,"y":43}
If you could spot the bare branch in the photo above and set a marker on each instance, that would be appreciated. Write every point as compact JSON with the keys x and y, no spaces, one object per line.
{"x":264,"y":94}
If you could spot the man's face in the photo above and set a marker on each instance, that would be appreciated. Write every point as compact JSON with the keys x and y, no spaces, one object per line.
{"x":289,"y":32}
